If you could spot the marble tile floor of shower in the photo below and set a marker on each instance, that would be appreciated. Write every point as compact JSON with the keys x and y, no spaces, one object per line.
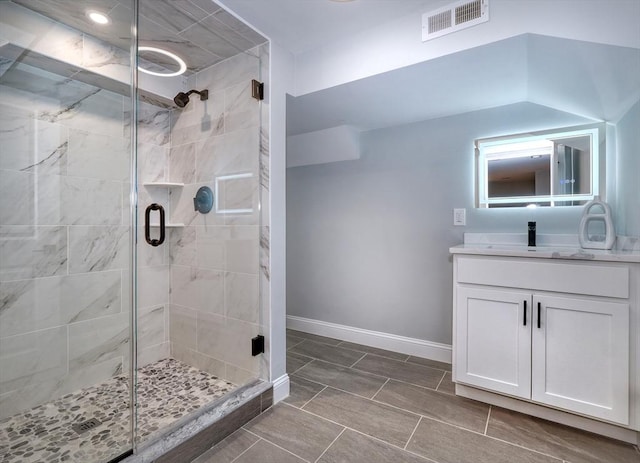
{"x":168,"y":390}
{"x":355,"y":404}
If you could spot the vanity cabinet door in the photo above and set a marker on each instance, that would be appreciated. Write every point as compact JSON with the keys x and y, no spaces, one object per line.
{"x":580,"y":356}
{"x":493,"y":340}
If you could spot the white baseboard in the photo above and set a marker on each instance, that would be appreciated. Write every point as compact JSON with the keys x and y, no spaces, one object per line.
{"x":392,"y":342}
{"x":280,"y":388}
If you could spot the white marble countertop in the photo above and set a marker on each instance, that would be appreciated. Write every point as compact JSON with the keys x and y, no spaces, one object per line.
{"x":547,"y":252}
{"x":626,"y":250}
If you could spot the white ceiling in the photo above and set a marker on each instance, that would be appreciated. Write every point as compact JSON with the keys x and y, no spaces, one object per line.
{"x":301,"y":25}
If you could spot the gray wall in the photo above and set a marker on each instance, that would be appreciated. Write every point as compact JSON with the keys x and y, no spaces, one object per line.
{"x":367,"y":240}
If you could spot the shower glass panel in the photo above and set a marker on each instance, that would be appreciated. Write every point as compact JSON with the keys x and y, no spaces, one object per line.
{"x":198,"y":297}
{"x":65,"y":232}
{"x":116,"y":326}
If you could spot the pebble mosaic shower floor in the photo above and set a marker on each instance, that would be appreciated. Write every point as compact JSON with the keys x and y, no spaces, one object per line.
{"x":168,"y":390}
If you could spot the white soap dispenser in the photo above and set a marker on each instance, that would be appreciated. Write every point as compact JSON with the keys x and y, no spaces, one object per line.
{"x":596,"y":211}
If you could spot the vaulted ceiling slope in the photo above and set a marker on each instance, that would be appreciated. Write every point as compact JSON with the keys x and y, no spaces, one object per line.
{"x":588,"y":79}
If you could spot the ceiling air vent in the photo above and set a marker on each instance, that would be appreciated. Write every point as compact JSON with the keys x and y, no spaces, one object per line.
{"x":453,"y":18}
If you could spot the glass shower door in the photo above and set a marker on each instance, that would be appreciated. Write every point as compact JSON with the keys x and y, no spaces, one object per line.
{"x":198,"y":290}
{"x":65,"y":235}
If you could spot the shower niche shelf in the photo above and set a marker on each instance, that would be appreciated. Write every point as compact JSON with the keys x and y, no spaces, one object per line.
{"x":163,"y":184}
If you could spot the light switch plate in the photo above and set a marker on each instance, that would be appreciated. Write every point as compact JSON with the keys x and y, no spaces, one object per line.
{"x":460,"y":217}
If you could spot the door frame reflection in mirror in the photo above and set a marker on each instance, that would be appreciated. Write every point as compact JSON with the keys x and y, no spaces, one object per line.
{"x":532,"y":145}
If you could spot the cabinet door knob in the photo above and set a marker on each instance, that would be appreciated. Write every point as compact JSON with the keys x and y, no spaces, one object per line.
{"x":524,"y":316}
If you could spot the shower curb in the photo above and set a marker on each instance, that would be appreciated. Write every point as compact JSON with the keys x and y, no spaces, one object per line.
{"x":197,"y":435}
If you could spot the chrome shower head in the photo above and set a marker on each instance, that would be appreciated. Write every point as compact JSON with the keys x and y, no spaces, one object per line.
{"x":181,"y":99}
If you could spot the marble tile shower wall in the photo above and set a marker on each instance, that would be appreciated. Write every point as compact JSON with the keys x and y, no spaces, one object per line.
{"x":215,"y":258}
{"x":64,"y":237}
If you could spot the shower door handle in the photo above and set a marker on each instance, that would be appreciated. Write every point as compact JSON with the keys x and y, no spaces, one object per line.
{"x":147,"y":224}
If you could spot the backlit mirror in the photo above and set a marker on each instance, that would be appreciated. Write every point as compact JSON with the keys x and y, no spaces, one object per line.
{"x":550,"y":168}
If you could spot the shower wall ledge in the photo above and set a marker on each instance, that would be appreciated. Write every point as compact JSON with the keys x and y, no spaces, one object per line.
{"x":29,"y":38}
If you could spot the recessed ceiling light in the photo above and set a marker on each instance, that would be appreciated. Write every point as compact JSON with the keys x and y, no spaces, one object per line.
{"x":182,"y":66}
{"x":98,"y":17}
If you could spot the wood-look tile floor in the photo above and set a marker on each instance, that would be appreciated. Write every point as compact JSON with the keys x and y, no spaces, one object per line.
{"x":351,"y":403}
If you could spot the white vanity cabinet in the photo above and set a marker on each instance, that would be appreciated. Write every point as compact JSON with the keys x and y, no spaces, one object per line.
{"x":552,"y":332}
{"x":580,"y":356}
{"x":493,"y":348}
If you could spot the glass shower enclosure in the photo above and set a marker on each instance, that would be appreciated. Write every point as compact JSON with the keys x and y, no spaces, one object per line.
{"x":125,"y":310}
